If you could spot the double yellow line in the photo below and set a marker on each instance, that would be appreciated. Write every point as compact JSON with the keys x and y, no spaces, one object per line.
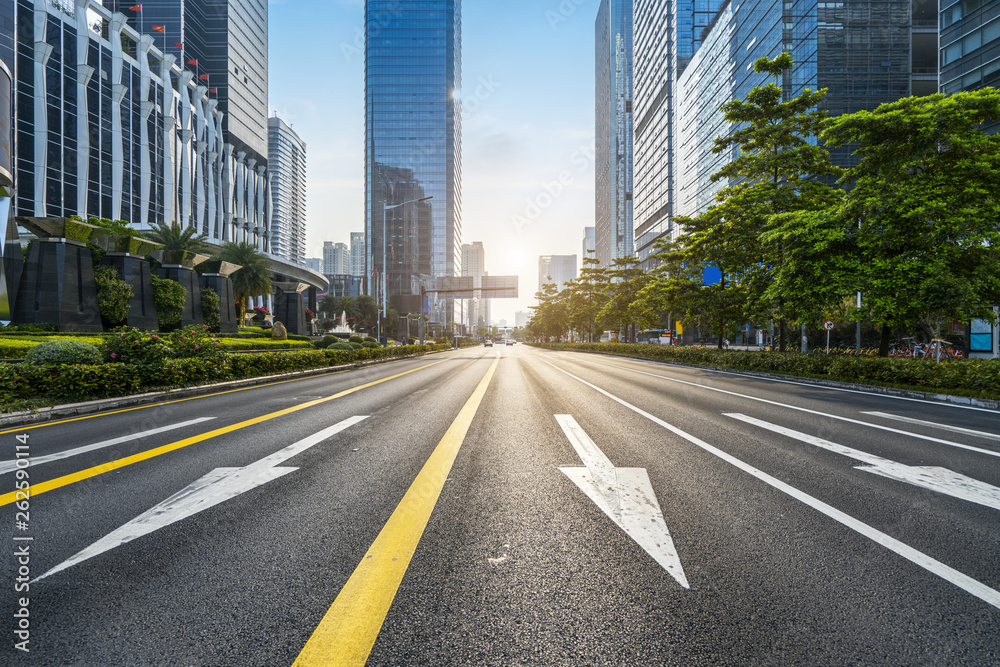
{"x":59,"y":482}
{"x":350,"y":627}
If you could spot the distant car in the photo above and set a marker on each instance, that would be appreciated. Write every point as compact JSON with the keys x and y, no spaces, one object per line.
{"x":508,"y":342}
{"x":488,"y":343}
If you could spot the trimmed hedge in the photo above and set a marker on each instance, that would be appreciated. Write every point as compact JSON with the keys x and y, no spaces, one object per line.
{"x":63,"y":352}
{"x":980,"y":377}
{"x":80,"y":382}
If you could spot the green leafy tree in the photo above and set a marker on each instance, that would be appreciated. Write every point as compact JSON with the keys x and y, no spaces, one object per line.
{"x":254,"y":277}
{"x":367,"y":309}
{"x":550,"y":318}
{"x":620,"y":311}
{"x":176,"y":238}
{"x":330,"y":306}
{"x":777,"y":170}
{"x":587,"y":295}
{"x":924,"y":207}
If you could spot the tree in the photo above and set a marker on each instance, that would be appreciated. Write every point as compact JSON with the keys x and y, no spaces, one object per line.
{"x":179,"y":239}
{"x":367,"y":310}
{"x":253,"y":279}
{"x":587,"y":295}
{"x":924,"y":207}
{"x":620,"y":311}
{"x":330,"y":306}
{"x":550,"y":319}
{"x":777,"y":171}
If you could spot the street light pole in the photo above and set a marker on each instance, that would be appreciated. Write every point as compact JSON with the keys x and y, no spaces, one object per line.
{"x":385,"y":245}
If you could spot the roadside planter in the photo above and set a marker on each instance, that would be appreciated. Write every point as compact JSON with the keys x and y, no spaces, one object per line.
{"x":215,"y":274}
{"x":127,"y":255}
{"x":178,"y":265}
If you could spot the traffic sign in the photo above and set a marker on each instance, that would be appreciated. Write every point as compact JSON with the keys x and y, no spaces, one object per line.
{"x":828,"y":325}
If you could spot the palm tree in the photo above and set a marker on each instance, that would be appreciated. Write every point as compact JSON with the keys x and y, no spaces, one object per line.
{"x":179,"y":239}
{"x":254,"y":279}
{"x":330,"y":306}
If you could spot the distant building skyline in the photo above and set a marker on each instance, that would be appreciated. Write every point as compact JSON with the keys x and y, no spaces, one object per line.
{"x":558,"y":269}
{"x":288,"y":190}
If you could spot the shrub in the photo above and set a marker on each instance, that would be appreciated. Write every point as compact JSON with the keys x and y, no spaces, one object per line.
{"x":355,"y":339}
{"x":347,"y":347}
{"x":62,"y":352}
{"x":356,"y":346}
{"x":370,"y":343}
{"x":168,"y":295}
{"x":87,"y":381}
{"x":195,"y":342}
{"x":113,"y":295}
{"x":210,"y":308}
{"x":326,"y":342}
{"x":132,"y":346}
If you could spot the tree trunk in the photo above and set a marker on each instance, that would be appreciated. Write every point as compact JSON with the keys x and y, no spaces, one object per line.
{"x":883,"y":342}
{"x":782,"y":335}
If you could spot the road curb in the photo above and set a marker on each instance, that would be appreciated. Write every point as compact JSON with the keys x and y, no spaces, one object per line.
{"x":41,"y":415}
{"x":986,"y":404}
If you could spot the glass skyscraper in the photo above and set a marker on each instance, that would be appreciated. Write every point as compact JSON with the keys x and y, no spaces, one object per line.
{"x":864,"y":52}
{"x":413,"y":131}
{"x":613,"y":131}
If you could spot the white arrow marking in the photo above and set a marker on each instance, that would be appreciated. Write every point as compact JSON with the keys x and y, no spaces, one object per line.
{"x":216,"y":487}
{"x":625,"y":495}
{"x":10,"y":466}
{"x":934,"y":478}
{"x":920,"y":422}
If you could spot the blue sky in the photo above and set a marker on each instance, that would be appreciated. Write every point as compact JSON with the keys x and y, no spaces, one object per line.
{"x":528,"y":124}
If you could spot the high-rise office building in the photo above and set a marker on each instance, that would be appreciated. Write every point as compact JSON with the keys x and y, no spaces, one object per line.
{"x":336,"y":259}
{"x":474,"y":265}
{"x":224,"y":43}
{"x":558,"y":269}
{"x":413,"y":75}
{"x":358,"y":254}
{"x":315,"y":263}
{"x":692,"y":56}
{"x":970,"y":45}
{"x":613,"y":168}
{"x":589,"y":246}
{"x":7,"y":35}
{"x":288,"y":191}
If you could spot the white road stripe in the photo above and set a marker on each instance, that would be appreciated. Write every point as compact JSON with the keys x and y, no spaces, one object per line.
{"x":10,"y":466}
{"x":216,"y":487}
{"x":949,"y":443}
{"x":941,"y":480}
{"x":944,"y":427}
{"x":966,"y":583}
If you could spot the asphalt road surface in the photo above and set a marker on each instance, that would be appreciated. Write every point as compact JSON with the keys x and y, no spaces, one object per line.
{"x":507,"y":506}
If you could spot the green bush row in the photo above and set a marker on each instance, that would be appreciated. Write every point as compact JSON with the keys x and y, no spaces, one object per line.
{"x":17,"y":347}
{"x":82,"y":382}
{"x":980,"y":377}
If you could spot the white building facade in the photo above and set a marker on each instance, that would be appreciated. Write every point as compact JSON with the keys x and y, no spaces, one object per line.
{"x":119,"y":130}
{"x":287,"y":164}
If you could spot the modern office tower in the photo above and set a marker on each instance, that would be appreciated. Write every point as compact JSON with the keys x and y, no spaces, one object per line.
{"x":474,"y":265}
{"x":228,"y":41}
{"x":315,"y":263}
{"x":691,"y":57}
{"x":970,"y":46}
{"x":413,"y":75}
{"x":558,"y":269}
{"x":521,"y":318}
{"x":613,"y":168}
{"x":336,"y":259}
{"x":287,"y":167}
{"x":7,"y":35}
{"x":358,"y":254}
{"x":589,"y":246}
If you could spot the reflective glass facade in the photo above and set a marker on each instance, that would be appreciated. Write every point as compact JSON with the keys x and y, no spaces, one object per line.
{"x":865,"y":52}
{"x":413,"y":135}
{"x":613,"y":135}
{"x":970,"y":46}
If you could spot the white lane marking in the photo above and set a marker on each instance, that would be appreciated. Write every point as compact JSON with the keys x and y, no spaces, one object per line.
{"x":936,"y":567}
{"x":934,"y":478}
{"x":949,"y":443}
{"x":10,"y":466}
{"x":216,"y":487}
{"x":944,"y":427}
{"x":626,"y":496}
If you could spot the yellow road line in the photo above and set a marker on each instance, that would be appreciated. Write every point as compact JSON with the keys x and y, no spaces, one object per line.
{"x":350,"y":627}
{"x":42,"y":487}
